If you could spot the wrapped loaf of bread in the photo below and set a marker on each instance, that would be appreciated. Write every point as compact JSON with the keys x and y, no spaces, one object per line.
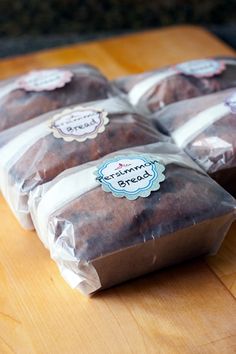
{"x":62,"y":139}
{"x":28,"y":96}
{"x":206,"y":129}
{"x":151,"y":91}
{"x":132,"y":212}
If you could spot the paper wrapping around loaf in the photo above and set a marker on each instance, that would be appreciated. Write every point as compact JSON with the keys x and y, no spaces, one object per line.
{"x":19,"y":105}
{"x":99,"y":240}
{"x":49,"y":156}
{"x":214,"y":147}
{"x":178,"y":87}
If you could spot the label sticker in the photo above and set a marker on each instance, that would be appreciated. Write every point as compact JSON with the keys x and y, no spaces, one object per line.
{"x":79,"y":123}
{"x":44,"y":80}
{"x":231,"y":102}
{"x":131,"y":176}
{"x":201,"y":68}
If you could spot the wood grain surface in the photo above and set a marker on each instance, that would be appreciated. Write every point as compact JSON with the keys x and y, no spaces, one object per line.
{"x":186,"y":309}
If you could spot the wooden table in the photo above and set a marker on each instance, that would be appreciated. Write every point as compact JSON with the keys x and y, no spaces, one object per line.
{"x":186,"y":309}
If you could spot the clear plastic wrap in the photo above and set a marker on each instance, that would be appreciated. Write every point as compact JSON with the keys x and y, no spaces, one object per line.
{"x":153,"y":90}
{"x":99,"y":240}
{"x":37,"y":151}
{"x":205,"y":128}
{"x":35,"y":93}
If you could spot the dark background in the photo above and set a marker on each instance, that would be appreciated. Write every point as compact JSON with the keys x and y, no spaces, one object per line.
{"x":32,"y":25}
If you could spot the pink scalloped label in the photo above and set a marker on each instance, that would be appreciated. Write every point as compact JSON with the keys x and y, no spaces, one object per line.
{"x":44,"y":80}
{"x":231,"y":102}
{"x":201,"y":68}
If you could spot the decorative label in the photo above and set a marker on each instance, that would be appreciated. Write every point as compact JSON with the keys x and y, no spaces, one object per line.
{"x":201,"y":68}
{"x":131,"y":176}
{"x":231,"y":102}
{"x":44,"y":80}
{"x":79,"y":123}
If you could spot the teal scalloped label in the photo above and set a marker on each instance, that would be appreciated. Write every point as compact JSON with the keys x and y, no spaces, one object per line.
{"x":130,"y":176}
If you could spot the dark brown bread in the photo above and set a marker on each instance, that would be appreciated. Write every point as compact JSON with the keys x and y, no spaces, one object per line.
{"x":87,"y":84}
{"x":122,"y":239}
{"x":50,"y":156}
{"x":179,"y":87}
{"x":214,"y":149}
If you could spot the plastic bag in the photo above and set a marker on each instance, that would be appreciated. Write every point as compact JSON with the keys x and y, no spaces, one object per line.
{"x":37,"y":92}
{"x":153,"y":90}
{"x":100,"y":236}
{"x":63,"y":139}
{"x":206,"y":129}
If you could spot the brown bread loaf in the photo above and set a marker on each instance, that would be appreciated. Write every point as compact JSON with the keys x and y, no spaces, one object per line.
{"x":176,"y":87}
{"x":210,"y":141}
{"x":99,"y":240}
{"x":19,"y":105}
